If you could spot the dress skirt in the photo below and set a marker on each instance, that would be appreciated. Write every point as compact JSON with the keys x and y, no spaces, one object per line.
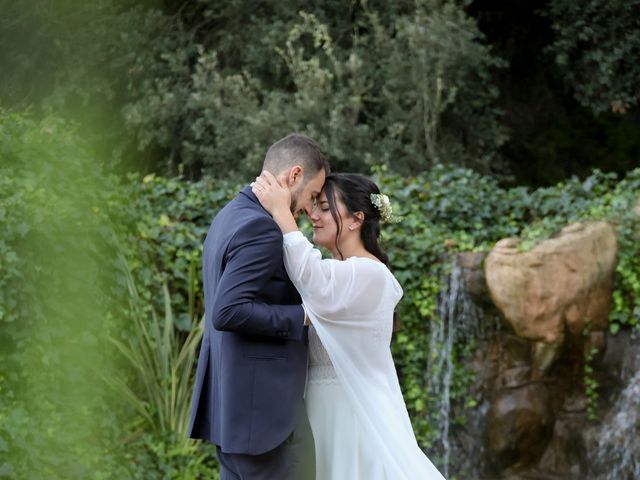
{"x":341,"y":452}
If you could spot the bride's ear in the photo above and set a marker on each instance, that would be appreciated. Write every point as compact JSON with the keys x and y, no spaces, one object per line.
{"x":358,"y":218}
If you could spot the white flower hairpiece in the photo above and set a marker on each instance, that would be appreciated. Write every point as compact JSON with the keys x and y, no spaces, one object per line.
{"x":383,"y":204}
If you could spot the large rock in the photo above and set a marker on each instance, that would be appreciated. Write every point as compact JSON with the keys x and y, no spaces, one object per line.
{"x":473,"y":275}
{"x":532,"y":405}
{"x":566,"y":451}
{"x":559,"y":286}
{"x":520,"y":424}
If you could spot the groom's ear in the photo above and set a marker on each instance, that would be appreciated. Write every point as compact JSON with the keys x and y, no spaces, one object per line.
{"x":294,"y":176}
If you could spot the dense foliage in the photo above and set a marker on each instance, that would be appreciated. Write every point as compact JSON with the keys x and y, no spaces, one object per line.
{"x":91,"y":263}
{"x":65,"y":293}
{"x":597,"y":45}
{"x":435,"y":225}
{"x":202,"y":87}
{"x":100,"y":292}
{"x":360,"y":94}
{"x":53,"y":252}
{"x":344,"y":74}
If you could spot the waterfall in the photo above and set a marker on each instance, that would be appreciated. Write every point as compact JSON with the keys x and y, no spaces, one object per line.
{"x":608,"y":450}
{"x":616,"y":442}
{"x":459,"y":321}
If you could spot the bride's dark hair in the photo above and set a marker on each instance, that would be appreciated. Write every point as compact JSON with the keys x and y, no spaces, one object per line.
{"x":355,"y":191}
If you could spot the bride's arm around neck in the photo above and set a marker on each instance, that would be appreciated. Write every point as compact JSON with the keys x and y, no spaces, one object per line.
{"x":331,"y":287}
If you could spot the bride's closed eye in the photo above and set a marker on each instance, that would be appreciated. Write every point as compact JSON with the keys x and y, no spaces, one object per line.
{"x":324,"y":206}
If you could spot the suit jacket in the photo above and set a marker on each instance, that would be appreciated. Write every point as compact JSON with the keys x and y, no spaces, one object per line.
{"x":253,"y":358}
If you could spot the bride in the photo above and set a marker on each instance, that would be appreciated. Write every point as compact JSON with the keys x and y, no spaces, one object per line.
{"x":359,"y":421}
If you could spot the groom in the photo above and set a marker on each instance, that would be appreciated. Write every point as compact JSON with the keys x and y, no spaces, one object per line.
{"x":248,"y":393}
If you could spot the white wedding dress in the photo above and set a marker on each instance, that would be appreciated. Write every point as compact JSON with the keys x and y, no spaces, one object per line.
{"x":359,"y":421}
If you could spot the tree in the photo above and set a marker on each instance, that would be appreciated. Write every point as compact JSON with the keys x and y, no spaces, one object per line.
{"x":597,"y":47}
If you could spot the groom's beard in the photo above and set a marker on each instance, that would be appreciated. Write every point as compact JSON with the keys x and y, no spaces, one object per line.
{"x":294,"y":204}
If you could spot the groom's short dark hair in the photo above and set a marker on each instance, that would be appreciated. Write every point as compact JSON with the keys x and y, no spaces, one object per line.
{"x":296,"y":149}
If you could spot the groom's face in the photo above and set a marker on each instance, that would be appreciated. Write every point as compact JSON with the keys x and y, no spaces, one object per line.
{"x":305,"y":193}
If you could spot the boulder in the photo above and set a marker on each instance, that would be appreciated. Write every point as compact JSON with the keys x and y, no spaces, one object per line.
{"x":560,"y":286}
{"x":471,"y":267}
{"x":520,"y":424}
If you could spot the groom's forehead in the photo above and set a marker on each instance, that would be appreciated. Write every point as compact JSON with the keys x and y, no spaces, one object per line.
{"x":318,"y":183}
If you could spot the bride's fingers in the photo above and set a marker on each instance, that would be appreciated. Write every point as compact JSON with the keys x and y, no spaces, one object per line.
{"x":261,"y":182}
{"x":258,"y":185}
{"x":267,"y":183}
{"x":282,"y":181}
{"x":269,"y":177}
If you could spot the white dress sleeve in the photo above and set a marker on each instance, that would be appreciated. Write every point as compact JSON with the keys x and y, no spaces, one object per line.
{"x":351,"y":305}
{"x":333,"y":288}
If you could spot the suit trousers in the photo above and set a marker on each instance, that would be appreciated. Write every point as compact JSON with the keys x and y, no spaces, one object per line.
{"x":294,"y":459}
{"x":275,"y":464}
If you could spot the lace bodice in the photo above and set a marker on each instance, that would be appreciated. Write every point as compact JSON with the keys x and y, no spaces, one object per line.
{"x":320,"y":367}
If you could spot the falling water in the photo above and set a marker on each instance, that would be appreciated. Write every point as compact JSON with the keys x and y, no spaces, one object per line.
{"x":613,"y":451}
{"x":617,"y":440}
{"x":458,"y":321}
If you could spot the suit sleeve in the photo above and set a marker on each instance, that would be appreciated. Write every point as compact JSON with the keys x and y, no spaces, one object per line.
{"x":254,"y":255}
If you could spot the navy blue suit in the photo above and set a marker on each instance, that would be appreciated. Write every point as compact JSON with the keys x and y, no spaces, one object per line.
{"x":253,"y":359}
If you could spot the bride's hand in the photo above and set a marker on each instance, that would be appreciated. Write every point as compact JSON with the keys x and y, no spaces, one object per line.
{"x":274,"y":197}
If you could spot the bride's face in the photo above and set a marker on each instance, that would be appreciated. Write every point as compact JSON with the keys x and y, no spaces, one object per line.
{"x":325,"y":227}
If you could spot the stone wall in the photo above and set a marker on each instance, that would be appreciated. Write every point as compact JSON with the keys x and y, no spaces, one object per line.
{"x":553,"y":301}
